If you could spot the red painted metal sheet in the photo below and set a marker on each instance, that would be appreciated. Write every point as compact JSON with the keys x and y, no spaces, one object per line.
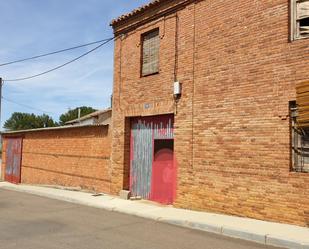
{"x":13,"y":160}
{"x":163,"y":177}
{"x":141,"y":157}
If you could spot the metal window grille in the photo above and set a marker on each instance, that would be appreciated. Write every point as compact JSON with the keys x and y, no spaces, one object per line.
{"x":299,"y":19}
{"x":150,"y":53}
{"x":299,"y":143}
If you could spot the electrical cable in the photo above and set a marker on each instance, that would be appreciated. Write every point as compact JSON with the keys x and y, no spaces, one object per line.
{"x":58,"y":67}
{"x":52,"y":53}
{"x":27,"y":106}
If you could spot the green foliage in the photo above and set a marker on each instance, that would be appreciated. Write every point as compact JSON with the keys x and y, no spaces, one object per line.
{"x":24,"y":121}
{"x":73,"y":114}
{"x":45,"y":121}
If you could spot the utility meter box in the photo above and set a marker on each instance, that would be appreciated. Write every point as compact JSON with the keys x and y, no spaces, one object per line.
{"x":177,"y":88}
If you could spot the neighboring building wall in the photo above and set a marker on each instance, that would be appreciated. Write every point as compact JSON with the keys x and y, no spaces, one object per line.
{"x":75,"y":157}
{"x":104,"y":118}
{"x":232,"y":140}
{"x":89,"y":121}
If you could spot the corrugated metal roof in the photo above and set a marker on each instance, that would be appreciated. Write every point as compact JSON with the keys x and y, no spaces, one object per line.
{"x":91,"y":115}
{"x":50,"y":129}
{"x":137,"y":11}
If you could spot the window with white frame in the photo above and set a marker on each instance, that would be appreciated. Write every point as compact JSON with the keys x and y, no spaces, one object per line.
{"x":299,"y":19}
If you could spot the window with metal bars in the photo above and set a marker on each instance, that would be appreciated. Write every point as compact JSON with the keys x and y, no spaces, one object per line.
{"x":299,"y":143}
{"x":150,"y":53}
{"x":299,"y":19}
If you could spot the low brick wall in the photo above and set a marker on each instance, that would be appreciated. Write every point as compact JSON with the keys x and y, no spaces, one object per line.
{"x":74,"y":157}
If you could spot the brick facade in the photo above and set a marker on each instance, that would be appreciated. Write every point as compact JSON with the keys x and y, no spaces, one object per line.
{"x":238,"y":70}
{"x":74,"y":157}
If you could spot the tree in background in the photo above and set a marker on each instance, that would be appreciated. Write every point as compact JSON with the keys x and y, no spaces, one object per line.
{"x":45,"y":121}
{"x":73,"y":114}
{"x":24,"y":121}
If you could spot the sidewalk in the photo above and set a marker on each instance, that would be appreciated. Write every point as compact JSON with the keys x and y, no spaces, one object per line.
{"x":269,"y":233}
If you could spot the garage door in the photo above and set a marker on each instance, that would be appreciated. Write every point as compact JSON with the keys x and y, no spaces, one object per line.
{"x":152,"y":169}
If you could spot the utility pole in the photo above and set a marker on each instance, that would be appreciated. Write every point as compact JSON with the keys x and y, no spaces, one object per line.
{"x":78,"y":115}
{"x":1,"y":84}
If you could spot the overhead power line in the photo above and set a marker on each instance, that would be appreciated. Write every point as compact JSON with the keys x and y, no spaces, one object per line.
{"x":27,"y":106}
{"x":58,"y":67}
{"x":52,"y":53}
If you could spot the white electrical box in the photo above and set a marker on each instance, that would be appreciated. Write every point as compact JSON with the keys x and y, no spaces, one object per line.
{"x":177,"y":88}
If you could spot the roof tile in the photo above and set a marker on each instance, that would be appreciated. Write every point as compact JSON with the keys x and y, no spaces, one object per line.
{"x":136,"y":11}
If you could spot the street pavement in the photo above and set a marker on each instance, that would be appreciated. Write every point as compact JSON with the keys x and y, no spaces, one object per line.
{"x":33,"y":222}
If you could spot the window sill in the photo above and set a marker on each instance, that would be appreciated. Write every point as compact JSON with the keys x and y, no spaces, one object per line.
{"x":300,"y":38}
{"x":292,"y":172}
{"x":151,"y":74}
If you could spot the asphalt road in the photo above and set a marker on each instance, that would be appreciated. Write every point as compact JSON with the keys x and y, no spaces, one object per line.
{"x":32,"y":222}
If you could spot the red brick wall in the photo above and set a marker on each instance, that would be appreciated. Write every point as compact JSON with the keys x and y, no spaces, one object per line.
{"x":232,"y":142}
{"x":78,"y":157}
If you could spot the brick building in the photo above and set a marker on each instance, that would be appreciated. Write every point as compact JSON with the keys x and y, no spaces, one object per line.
{"x":223,"y":142}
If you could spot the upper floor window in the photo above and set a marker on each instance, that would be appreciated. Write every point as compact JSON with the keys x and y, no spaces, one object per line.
{"x":150,"y":52}
{"x":299,"y":19}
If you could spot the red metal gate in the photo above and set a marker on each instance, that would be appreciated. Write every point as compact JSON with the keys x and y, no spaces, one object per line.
{"x":153,"y":172}
{"x":13,"y":159}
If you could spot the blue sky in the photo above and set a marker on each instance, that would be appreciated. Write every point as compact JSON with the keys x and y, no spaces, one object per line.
{"x":33,"y":27}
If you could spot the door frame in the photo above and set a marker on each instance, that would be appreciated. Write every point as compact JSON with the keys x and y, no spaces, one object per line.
{"x":169,"y":118}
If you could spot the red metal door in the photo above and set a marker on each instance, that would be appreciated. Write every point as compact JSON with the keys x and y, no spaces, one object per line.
{"x":163,"y":183}
{"x":13,"y":160}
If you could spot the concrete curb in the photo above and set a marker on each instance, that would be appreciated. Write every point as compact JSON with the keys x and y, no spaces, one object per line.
{"x":116,"y":205}
{"x":285,"y":242}
{"x":246,"y":235}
